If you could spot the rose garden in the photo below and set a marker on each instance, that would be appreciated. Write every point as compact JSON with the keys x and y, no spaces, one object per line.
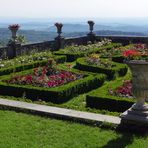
{"x":98,"y":76}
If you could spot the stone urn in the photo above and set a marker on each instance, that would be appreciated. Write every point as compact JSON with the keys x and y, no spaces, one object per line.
{"x":139,"y":69}
{"x":14,"y":28}
{"x":91,"y":26}
{"x":59,"y":28}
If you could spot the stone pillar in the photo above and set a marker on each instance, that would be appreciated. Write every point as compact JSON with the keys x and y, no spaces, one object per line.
{"x":12,"y":49}
{"x":91,"y":36}
{"x":59,"y":40}
{"x":13,"y":45}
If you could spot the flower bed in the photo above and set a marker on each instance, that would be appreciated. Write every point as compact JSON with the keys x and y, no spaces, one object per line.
{"x":86,"y":48}
{"x":111,"y":70}
{"x":74,"y":52}
{"x":28,"y":62}
{"x":25,"y":59}
{"x":123,"y":91}
{"x":49,"y":84}
{"x":47,"y":76}
{"x":117,"y":53}
{"x":95,"y":60}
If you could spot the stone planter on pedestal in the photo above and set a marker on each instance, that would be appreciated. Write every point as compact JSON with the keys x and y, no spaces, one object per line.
{"x":59,"y":40}
{"x":13,"y":45}
{"x":138,"y":113}
{"x":91,"y":35}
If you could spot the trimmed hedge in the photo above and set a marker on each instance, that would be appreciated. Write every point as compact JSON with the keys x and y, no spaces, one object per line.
{"x":11,"y":69}
{"x":73,"y":56}
{"x":101,"y":99}
{"x":57,"y":94}
{"x":119,"y":69}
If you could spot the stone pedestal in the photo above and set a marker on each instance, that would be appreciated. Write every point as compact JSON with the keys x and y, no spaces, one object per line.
{"x":91,"y":37}
{"x":136,"y":117}
{"x":138,"y":113}
{"x":59,"y":42}
{"x":12,"y":49}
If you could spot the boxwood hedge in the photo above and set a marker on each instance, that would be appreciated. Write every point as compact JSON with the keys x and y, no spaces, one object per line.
{"x":57,"y":94}
{"x":101,"y":99}
{"x":118,"y":70}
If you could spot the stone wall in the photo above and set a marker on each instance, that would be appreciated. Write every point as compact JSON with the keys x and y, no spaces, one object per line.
{"x":52,"y":45}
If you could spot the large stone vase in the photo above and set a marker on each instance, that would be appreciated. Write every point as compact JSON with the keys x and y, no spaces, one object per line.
{"x":14,"y":31}
{"x":139,"y":69}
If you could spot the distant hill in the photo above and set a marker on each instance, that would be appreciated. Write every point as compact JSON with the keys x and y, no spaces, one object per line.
{"x":80,"y":30}
{"x":114,"y":27}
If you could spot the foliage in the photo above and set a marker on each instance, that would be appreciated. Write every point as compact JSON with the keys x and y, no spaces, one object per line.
{"x":21,"y":39}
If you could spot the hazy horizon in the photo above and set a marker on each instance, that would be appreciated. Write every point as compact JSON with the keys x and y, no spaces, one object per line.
{"x":123,"y":20}
{"x":74,"y":8}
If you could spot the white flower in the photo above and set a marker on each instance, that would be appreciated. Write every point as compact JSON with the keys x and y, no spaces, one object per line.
{"x":2,"y":65}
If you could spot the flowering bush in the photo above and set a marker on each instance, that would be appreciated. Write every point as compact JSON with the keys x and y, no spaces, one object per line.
{"x":47,"y":76}
{"x":123,"y":91}
{"x":94,"y":59}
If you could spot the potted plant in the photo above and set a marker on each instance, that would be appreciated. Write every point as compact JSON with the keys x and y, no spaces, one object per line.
{"x":137,"y":60}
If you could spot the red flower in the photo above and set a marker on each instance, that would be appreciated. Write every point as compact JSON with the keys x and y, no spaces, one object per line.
{"x":28,"y":78}
{"x":131,"y":53}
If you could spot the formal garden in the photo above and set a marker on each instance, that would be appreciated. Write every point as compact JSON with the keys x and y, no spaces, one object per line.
{"x":96,"y":77}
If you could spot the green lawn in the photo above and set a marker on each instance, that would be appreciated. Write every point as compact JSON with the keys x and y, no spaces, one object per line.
{"x":28,"y":131}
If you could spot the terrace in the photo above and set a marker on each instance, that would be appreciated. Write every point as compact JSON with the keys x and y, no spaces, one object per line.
{"x":86,"y":74}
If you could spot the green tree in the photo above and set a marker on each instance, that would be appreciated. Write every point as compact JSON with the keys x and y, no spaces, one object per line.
{"x":21,"y":39}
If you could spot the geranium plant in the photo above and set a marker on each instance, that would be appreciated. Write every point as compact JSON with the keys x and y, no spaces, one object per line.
{"x":139,"y":52}
{"x":131,"y":54}
{"x":123,"y":91}
{"x":14,"y":26}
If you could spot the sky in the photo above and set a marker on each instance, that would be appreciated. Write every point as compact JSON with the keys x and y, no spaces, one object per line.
{"x":73,"y":8}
